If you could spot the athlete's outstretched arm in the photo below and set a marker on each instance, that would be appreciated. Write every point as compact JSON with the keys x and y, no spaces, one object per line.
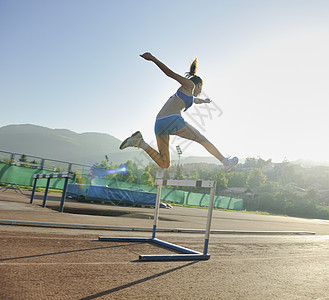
{"x":185,"y":82}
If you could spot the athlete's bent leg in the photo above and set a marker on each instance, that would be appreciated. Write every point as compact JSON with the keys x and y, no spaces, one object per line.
{"x":161,"y":158}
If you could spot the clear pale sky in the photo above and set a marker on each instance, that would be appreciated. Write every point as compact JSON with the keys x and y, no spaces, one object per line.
{"x":75,"y":64}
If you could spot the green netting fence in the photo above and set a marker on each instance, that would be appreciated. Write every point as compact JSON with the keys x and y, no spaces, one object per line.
{"x":24,"y":176}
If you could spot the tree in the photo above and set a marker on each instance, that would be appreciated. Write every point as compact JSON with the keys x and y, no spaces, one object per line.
{"x":221,"y":179}
{"x":250,"y":162}
{"x":312,"y":195}
{"x":154,"y":169}
{"x":33,"y":164}
{"x":286,"y":173}
{"x":130,"y":175}
{"x":262,"y":163}
{"x":193,"y":175}
{"x":23,"y":161}
{"x":6,"y":160}
{"x":102,"y":170}
{"x":256,"y":178}
{"x":236,"y":179}
{"x":23,"y":158}
{"x":146,"y":177}
{"x":179,"y":173}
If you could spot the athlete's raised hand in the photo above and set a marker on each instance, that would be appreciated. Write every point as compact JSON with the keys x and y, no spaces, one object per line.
{"x":147,"y":56}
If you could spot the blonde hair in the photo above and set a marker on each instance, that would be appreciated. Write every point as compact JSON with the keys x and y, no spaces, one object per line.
{"x":194,"y":67}
{"x":191,"y":74}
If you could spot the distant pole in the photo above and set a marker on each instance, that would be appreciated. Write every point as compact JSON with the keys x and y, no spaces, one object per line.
{"x":12,"y":157}
{"x":179,"y":151}
{"x":42,"y":163}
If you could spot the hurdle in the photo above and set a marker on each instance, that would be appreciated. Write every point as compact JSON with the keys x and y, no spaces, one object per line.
{"x":12,"y":185}
{"x":49,"y":176}
{"x":185,"y":253}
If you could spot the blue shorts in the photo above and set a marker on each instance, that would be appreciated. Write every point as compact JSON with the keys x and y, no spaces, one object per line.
{"x":169,"y":124}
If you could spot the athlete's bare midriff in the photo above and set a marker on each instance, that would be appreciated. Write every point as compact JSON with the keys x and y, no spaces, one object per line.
{"x":174,"y":105}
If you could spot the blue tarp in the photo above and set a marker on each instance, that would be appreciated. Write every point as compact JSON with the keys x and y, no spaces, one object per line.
{"x":112,"y":195}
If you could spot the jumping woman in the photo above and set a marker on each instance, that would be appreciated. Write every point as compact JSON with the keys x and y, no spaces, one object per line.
{"x":170,"y":122}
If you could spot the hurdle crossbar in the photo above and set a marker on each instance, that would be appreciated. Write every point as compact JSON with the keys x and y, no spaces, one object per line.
{"x":186,"y":254}
{"x":48,"y":176}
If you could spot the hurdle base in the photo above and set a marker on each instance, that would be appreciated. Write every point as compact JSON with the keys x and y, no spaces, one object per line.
{"x":124,"y":239}
{"x":174,"y":257}
{"x":186,"y":253}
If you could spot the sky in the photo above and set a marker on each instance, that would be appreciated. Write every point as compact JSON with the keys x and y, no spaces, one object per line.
{"x":75,"y":64}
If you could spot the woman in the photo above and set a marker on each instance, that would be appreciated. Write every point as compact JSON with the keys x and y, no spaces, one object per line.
{"x":170,"y":122}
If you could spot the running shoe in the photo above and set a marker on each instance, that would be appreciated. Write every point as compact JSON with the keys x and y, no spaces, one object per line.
{"x":133,"y":141}
{"x":230,"y":163}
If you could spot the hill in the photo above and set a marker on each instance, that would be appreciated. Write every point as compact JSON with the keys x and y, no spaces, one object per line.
{"x":62,"y":144}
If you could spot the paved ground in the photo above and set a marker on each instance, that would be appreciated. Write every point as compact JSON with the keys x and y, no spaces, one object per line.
{"x":66,"y":263}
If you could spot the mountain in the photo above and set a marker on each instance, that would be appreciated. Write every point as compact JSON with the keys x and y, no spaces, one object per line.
{"x":62,"y":144}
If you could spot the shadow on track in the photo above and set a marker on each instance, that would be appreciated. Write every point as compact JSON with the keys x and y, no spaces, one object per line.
{"x":113,"y":290}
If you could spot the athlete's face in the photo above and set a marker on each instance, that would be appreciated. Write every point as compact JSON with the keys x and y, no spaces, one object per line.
{"x":197,"y":89}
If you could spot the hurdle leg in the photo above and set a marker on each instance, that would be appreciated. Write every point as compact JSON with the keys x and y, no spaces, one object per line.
{"x":210,"y":209}
{"x":156,"y":210}
{"x":18,"y":188}
{"x":61,"y":207}
{"x":46,"y":193}
{"x":33,"y":191}
{"x":7,"y":187}
{"x":13,"y":186}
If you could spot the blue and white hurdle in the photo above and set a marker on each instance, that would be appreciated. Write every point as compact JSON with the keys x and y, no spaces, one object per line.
{"x":59,"y":175}
{"x":186,"y":254}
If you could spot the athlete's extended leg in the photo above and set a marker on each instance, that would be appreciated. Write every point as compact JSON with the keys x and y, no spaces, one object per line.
{"x":190,"y":133}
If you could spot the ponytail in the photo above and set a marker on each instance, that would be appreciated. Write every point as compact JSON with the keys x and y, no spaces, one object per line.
{"x":193,"y":67}
{"x":191,"y":74}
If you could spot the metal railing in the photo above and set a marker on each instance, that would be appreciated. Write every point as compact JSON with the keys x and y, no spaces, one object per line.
{"x":41,"y":163}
